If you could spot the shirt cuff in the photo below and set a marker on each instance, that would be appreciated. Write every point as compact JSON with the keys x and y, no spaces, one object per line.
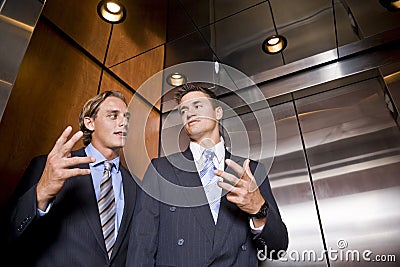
{"x":42,"y":213}
{"x":255,"y":230}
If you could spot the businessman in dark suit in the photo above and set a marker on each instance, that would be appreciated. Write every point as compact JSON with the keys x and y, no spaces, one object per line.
{"x":55,"y":218}
{"x":204,"y":206}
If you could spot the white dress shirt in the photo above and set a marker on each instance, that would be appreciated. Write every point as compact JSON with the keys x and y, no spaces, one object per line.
{"x":219,"y":163}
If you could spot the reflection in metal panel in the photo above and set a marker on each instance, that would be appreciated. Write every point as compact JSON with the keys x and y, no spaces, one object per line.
{"x":353,"y":147}
{"x":17,"y":21}
{"x":290,"y":184}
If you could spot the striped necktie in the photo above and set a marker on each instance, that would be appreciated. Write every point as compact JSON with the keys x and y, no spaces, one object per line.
{"x":209,"y":181}
{"x":107,"y":211}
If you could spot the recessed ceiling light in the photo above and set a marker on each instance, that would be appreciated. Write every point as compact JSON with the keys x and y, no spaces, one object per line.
{"x":176,"y":79}
{"x":111,"y":11}
{"x":391,"y":5}
{"x":274,"y":44}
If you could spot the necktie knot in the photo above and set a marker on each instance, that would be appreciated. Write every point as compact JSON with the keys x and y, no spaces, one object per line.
{"x":108,"y":165}
{"x":208,"y":155}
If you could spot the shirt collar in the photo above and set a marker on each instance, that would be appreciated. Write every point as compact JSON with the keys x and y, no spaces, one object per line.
{"x":93,"y":152}
{"x":219,"y":150}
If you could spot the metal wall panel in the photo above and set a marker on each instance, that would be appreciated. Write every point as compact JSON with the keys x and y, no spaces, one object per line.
{"x":351,"y":144}
{"x":17,"y":21}
{"x":290,"y":184}
{"x":353,"y":147}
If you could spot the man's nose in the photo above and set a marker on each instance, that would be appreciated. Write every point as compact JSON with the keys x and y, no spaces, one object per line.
{"x":190,"y":113}
{"x":123,"y":121}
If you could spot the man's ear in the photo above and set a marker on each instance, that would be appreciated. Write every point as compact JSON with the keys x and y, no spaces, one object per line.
{"x":219,"y":113}
{"x":89,"y":123}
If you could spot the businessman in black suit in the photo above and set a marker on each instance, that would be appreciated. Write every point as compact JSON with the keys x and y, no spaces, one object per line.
{"x":54,"y":217}
{"x":204,"y":206}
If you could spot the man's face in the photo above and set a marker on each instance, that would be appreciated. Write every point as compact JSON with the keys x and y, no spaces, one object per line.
{"x":199,"y":117}
{"x":110,"y":125}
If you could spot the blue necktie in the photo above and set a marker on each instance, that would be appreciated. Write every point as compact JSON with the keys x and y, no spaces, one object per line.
{"x":209,"y":181}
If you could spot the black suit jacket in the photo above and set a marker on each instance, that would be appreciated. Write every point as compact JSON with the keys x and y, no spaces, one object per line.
{"x":168,"y":234}
{"x":70,"y":234}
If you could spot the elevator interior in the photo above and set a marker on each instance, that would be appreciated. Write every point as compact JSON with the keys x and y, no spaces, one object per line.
{"x":334,"y":93}
{"x":335,"y":168}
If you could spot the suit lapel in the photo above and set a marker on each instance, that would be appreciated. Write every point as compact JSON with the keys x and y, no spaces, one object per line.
{"x":85,"y":192}
{"x":129,"y":198}
{"x":188,"y":176}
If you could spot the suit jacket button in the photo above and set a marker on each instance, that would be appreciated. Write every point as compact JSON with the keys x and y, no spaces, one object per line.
{"x":172,"y":209}
{"x":244,"y":247}
{"x":181,"y":241}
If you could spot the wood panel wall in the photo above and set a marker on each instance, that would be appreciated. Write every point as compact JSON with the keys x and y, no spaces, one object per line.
{"x":54,"y":81}
{"x":58,"y":75}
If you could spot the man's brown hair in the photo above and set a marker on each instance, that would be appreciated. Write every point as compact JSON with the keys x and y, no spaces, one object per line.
{"x":90,"y":110}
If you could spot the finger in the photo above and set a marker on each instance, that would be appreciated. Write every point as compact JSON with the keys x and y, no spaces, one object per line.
{"x":62,"y":139}
{"x":235,"y":167}
{"x":70,"y":162}
{"x":228,"y":187}
{"x":247,"y":172}
{"x":227,"y":177}
{"x":66,"y":149}
{"x":75,"y":172}
{"x":232,"y":198}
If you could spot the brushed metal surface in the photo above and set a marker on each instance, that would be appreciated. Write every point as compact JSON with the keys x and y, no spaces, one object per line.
{"x":391,"y":77}
{"x":17,"y":21}
{"x":353,"y":148}
{"x":289,"y":181}
{"x":5,"y":91}
{"x":206,"y":12}
{"x":372,"y":17}
{"x":316,"y":31}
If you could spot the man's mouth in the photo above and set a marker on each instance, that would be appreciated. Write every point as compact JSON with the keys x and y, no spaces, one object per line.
{"x":121,"y":133}
{"x":193,"y":121}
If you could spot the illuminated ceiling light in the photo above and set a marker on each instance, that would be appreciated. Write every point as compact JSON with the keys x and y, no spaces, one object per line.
{"x":111,"y":11}
{"x":395,"y":4}
{"x":113,"y":7}
{"x":391,"y":5}
{"x":274,"y":44}
{"x":176,"y":79}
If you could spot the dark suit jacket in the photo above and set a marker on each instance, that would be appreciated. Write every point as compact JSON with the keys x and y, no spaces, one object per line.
{"x":70,"y":234}
{"x":168,"y":234}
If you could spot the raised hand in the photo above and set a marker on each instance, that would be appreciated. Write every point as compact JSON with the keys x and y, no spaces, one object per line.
{"x":243,"y":189}
{"x":58,"y":168}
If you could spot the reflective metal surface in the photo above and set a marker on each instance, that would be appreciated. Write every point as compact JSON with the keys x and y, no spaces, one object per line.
{"x":391,"y":76}
{"x":344,"y":133}
{"x":17,"y":21}
{"x":353,"y":148}
{"x":289,"y":181}
{"x":316,"y":30}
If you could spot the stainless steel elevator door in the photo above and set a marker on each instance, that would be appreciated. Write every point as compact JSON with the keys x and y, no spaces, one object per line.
{"x":351,"y":145}
{"x":353,"y":149}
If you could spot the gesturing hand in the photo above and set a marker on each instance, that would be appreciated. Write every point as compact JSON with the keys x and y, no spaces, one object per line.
{"x":58,"y":168}
{"x":243,"y":190}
